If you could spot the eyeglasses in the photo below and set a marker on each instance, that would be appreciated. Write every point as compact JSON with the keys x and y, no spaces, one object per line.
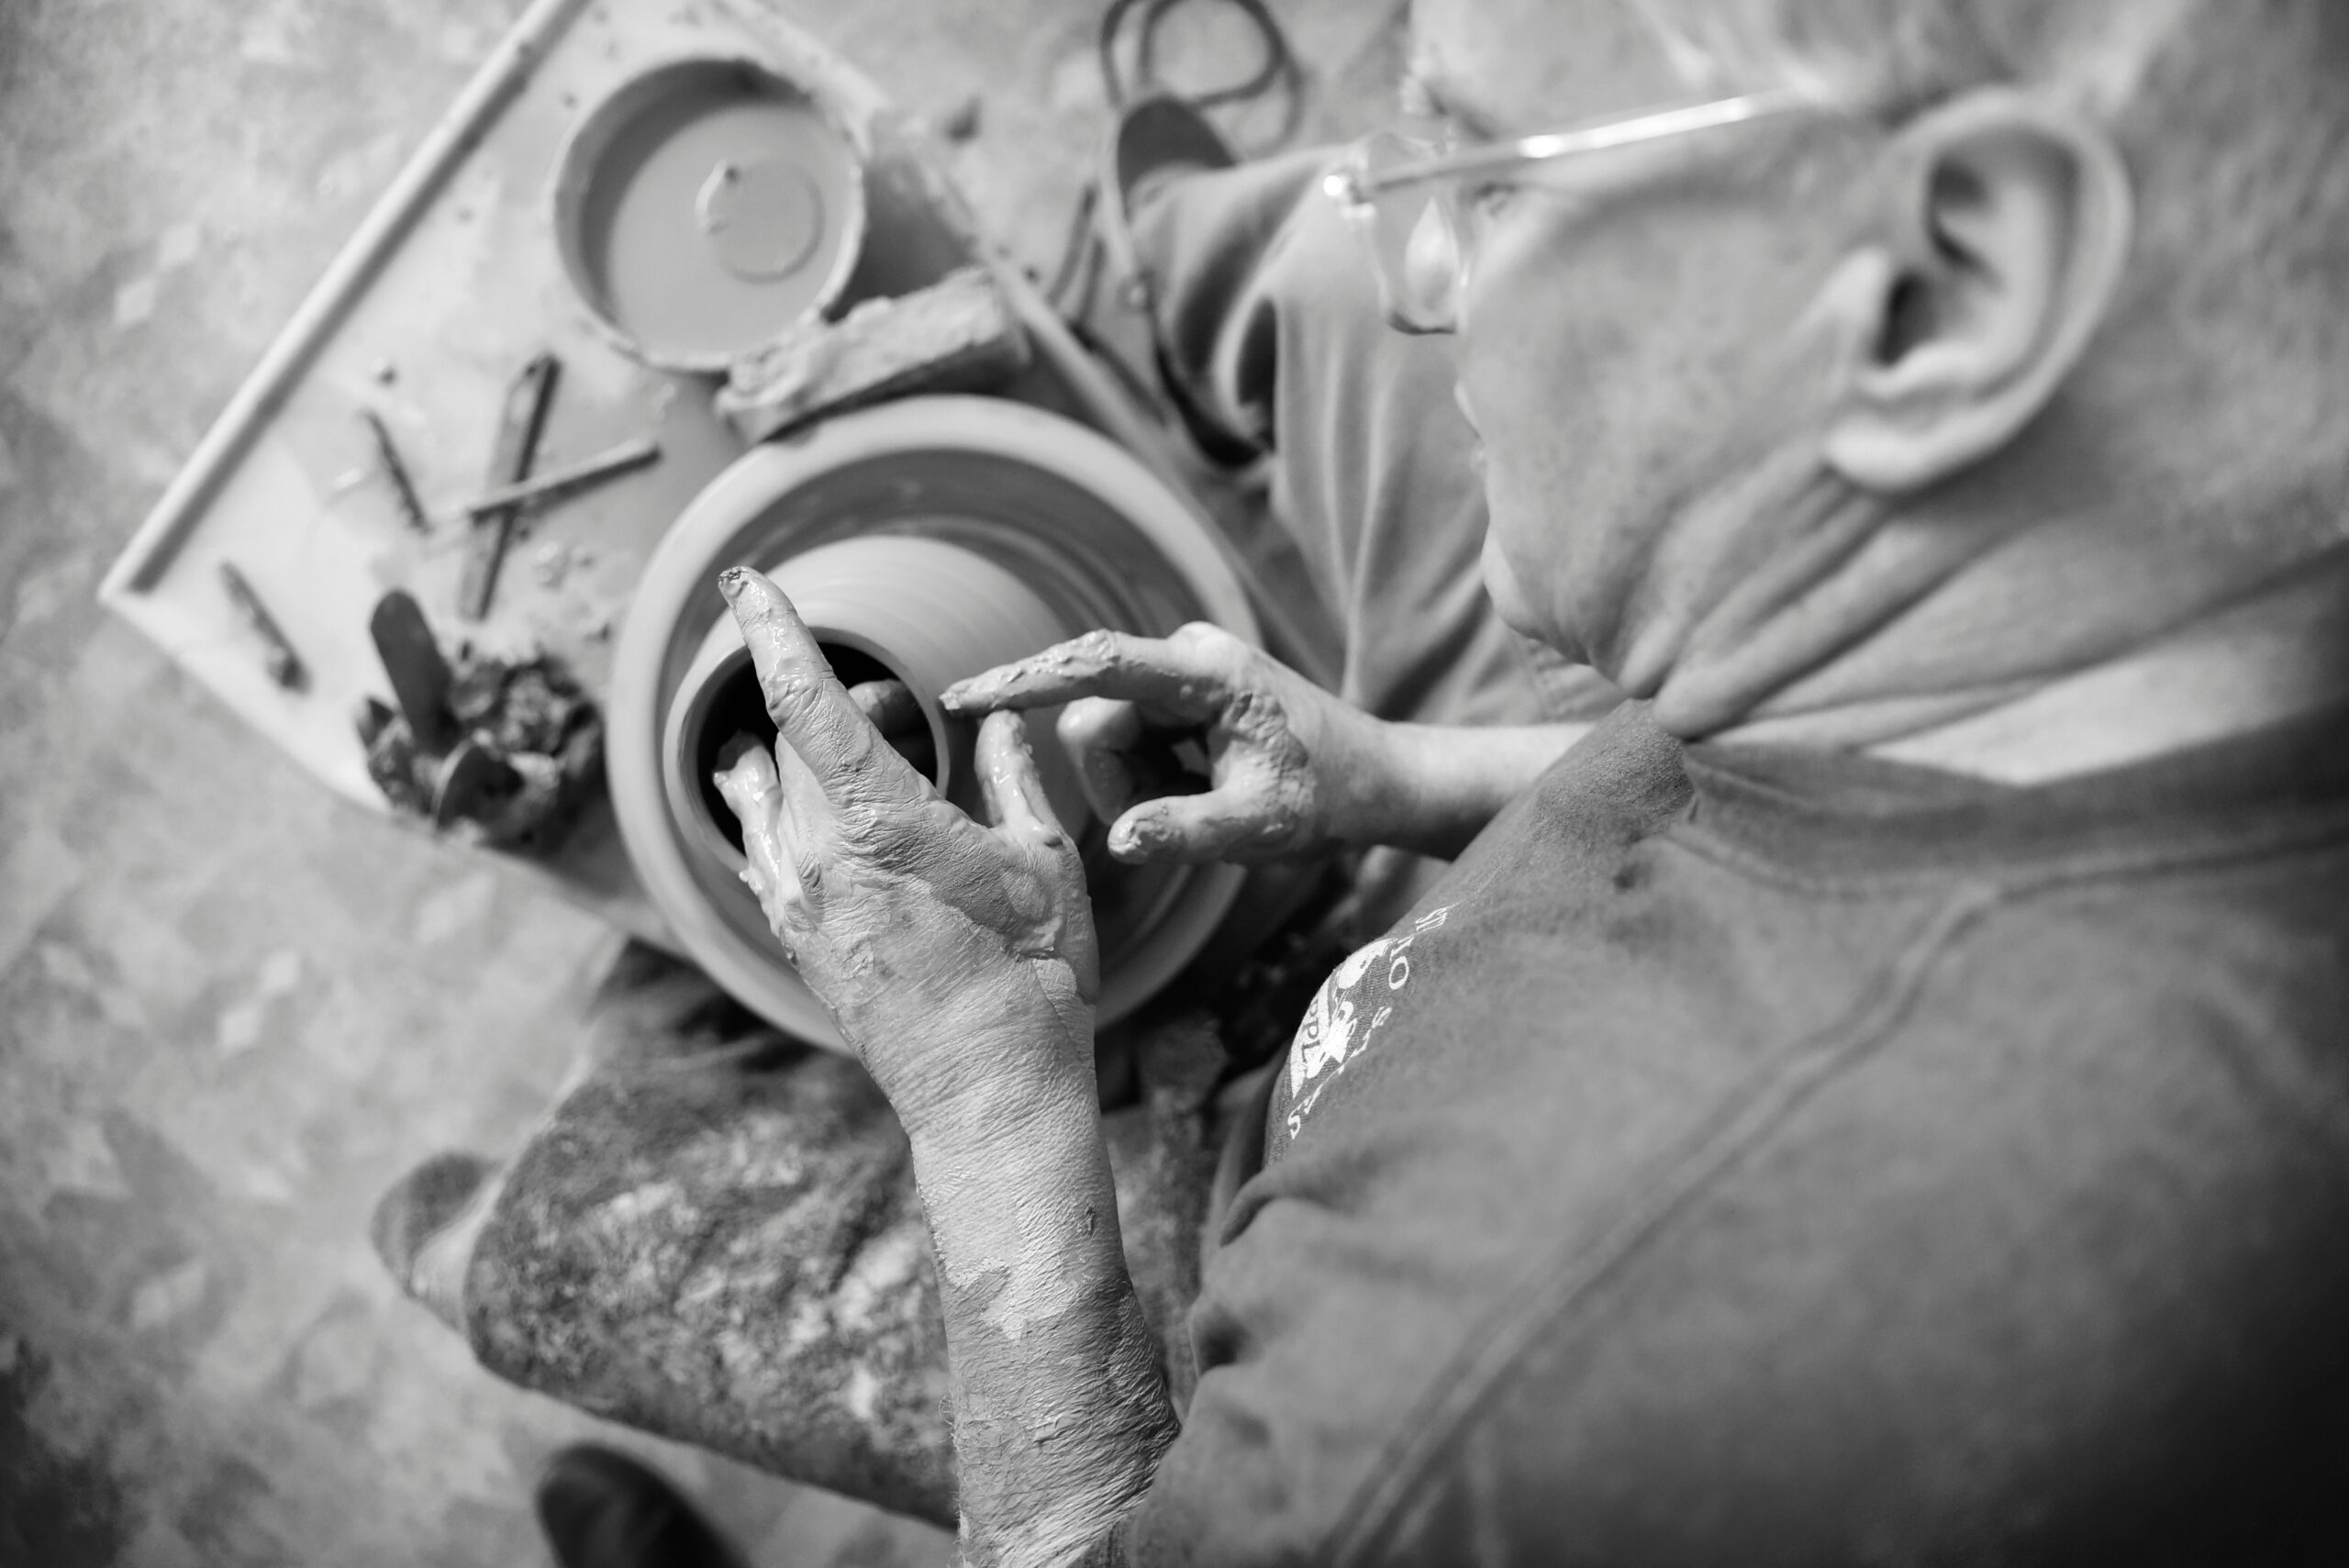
{"x":1402,"y":198}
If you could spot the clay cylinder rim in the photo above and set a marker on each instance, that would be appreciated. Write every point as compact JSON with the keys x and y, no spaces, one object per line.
{"x":592,"y":136}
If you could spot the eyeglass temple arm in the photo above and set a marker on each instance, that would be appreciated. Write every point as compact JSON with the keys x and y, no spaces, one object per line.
{"x":1358,"y":184}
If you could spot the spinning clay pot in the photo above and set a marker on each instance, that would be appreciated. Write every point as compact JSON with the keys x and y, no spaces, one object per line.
{"x":924,"y":540}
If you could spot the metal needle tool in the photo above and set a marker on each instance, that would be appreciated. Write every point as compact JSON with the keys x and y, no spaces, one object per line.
{"x":402,"y":487}
{"x":622,"y":458}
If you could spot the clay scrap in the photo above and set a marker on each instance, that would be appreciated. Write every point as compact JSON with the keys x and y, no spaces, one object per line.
{"x":957,"y":335}
{"x":556,"y":484}
{"x":501,"y":751}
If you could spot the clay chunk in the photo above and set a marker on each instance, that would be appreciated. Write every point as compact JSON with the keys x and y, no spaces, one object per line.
{"x":956,"y":335}
{"x":534,"y":737}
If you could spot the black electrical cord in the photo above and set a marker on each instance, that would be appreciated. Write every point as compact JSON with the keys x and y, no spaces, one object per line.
{"x":1080,"y":260}
{"x":1076,"y":277}
{"x":1278,"y":66}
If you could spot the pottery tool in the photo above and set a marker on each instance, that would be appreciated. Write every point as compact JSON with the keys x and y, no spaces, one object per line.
{"x":473,"y":783}
{"x":419,"y":675}
{"x":626,"y":458}
{"x":520,"y":424}
{"x":402,"y":487}
{"x":283,"y":664}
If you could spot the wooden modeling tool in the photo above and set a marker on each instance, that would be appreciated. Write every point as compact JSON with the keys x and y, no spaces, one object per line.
{"x":283,"y":664}
{"x":418,"y":673}
{"x":626,"y":458}
{"x":520,"y":426}
{"x":402,"y":487}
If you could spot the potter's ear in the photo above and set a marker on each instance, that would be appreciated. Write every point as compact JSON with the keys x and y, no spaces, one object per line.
{"x":2002,"y":233}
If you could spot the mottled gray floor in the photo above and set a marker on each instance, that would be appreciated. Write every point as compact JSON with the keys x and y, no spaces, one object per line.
{"x":232,"y":1009}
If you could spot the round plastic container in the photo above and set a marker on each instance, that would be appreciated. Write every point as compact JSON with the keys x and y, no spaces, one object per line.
{"x":705,"y":207}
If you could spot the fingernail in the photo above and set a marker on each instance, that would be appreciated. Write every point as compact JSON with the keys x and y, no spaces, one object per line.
{"x":730,"y":581}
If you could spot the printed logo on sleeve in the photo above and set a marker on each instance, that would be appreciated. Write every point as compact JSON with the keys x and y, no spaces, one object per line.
{"x":1352,"y":1005}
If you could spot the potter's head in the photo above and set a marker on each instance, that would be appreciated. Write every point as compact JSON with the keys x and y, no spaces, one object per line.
{"x":2032,"y":340}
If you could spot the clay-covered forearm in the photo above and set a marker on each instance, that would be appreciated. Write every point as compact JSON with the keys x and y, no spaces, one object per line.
{"x":1060,"y":1408}
{"x":1435,"y":786}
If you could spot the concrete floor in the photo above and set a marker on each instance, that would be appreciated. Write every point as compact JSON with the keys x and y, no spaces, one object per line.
{"x":232,"y":1009}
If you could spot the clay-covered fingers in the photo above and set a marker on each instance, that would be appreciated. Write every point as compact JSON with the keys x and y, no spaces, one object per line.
{"x":1100,"y":735}
{"x":1234,"y":823}
{"x":753,"y":791}
{"x":889,"y":706}
{"x":1187,"y":676}
{"x":1012,"y":787}
{"x":1047,"y":912}
{"x":812,"y":711}
{"x":896,"y":712}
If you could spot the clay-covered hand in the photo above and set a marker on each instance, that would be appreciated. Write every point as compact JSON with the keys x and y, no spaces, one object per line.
{"x":891,"y":706}
{"x":1279,"y":768}
{"x":952,"y":954}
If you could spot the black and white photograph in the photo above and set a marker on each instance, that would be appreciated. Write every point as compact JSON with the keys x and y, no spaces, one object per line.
{"x":1174,"y":784}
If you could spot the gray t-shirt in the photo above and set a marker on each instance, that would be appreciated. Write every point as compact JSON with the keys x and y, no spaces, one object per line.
{"x":1752,"y":1157}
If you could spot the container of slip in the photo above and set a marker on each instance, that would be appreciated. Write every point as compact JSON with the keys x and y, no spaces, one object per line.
{"x":707,"y":207}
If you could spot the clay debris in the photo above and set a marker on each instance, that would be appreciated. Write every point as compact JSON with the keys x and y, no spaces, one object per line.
{"x":528,"y":715}
{"x":956,"y":335}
